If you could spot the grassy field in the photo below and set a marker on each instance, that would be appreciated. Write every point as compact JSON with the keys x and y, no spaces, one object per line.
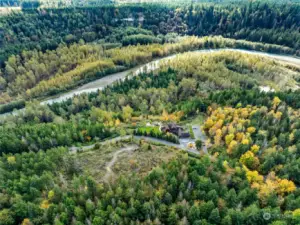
{"x":140,"y":161}
{"x":143,"y":159}
{"x":93,"y":162}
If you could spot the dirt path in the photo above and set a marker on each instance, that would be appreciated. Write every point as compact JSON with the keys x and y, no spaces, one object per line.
{"x":183,"y":142}
{"x":74,"y":149}
{"x":110,"y":164}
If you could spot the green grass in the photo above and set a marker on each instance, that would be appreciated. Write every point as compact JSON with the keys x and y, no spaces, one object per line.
{"x":149,"y":129}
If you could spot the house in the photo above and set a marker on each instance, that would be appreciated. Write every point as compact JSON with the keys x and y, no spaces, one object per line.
{"x":175,"y":129}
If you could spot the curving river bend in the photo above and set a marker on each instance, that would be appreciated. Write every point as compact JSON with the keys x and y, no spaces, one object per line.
{"x":109,"y":79}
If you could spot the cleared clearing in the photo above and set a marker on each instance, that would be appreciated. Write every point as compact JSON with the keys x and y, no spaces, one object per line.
{"x":108,"y":162}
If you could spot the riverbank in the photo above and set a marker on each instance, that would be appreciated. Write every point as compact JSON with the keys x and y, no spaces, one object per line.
{"x":103,"y":82}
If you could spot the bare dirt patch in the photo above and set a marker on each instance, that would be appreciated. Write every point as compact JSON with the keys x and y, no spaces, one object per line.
{"x":108,"y":162}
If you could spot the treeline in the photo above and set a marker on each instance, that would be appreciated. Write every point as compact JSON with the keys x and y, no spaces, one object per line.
{"x":34,"y":137}
{"x":11,"y":106}
{"x":256,"y":97}
{"x":262,"y":21}
{"x":46,"y":28}
{"x":74,"y":121}
{"x":9,"y":2}
{"x":140,"y":39}
{"x":141,"y":131}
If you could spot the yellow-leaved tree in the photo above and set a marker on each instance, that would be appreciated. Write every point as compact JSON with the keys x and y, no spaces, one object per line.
{"x":229,"y":138}
{"x":251,"y":130}
{"x":51,"y":194}
{"x":255,"y":148}
{"x":45,"y":204}
{"x":231,"y":147}
{"x":218,"y":137}
{"x":11,"y":160}
{"x":276,"y":101}
{"x":249,"y":160}
{"x":26,"y":221}
{"x":285,"y":186}
{"x":209,"y":123}
{"x":254,"y":177}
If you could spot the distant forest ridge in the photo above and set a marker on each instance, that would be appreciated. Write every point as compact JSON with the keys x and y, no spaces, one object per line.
{"x":65,"y":3}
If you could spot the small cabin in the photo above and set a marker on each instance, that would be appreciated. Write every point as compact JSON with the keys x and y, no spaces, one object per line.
{"x":175,"y":129}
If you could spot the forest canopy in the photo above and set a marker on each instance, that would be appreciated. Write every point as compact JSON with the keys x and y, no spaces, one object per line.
{"x":208,"y":133}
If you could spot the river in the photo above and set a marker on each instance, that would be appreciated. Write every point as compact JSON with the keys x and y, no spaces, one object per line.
{"x":101,"y":83}
{"x":153,"y":65}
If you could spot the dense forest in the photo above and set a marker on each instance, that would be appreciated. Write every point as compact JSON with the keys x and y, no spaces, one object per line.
{"x":252,"y":168}
{"x":47,"y":28}
{"x":76,"y":39}
{"x":67,"y":3}
{"x":102,"y":157}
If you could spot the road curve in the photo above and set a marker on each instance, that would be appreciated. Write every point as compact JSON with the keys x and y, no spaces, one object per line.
{"x":74,"y":149}
{"x":182,"y":145}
